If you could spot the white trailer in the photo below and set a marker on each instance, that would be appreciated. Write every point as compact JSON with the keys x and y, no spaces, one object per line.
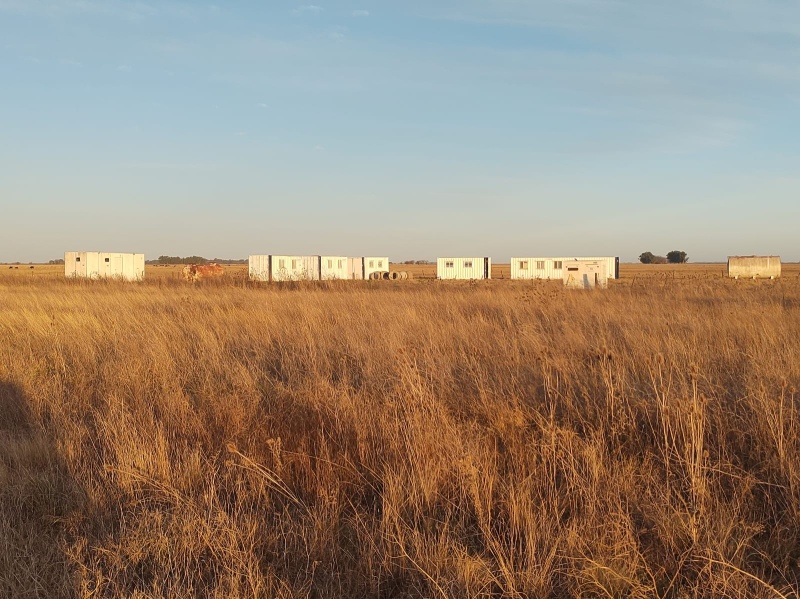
{"x":754,"y":267}
{"x":102,"y":265}
{"x":553,"y":268}
{"x":464,"y":268}
{"x":375,"y":264}
{"x":585,"y":274}
{"x":333,"y":267}
{"x":284,"y":268}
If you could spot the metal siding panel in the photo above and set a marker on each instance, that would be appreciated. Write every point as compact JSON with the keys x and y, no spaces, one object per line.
{"x":93,"y":264}
{"x":259,"y":267}
{"x":355,"y":268}
{"x":70,"y":264}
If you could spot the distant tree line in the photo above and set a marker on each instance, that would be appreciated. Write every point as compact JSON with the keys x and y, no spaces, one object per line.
{"x":673,"y":257}
{"x":193,"y":260}
{"x":57,"y":261}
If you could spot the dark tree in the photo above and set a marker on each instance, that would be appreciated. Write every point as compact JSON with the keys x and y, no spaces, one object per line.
{"x":677,"y":257}
{"x":646,"y":258}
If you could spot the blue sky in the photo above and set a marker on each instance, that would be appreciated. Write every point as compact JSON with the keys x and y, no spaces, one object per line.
{"x":413,"y":129}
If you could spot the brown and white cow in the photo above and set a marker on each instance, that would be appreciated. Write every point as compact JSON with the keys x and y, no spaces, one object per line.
{"x":198,"y":272}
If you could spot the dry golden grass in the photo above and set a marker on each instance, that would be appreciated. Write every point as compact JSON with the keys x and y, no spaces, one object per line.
{"x":389,"y":440}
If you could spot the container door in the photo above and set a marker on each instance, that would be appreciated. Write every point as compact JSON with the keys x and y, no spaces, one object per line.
{"x":80,"y":265}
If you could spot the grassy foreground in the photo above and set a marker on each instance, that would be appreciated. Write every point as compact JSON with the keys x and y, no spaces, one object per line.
{"x":427,"y":440}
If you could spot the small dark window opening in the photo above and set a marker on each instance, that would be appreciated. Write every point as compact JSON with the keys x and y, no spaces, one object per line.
{"x":107,"y":260}
{"x":78,"y":259}
{"x":572,"y":268}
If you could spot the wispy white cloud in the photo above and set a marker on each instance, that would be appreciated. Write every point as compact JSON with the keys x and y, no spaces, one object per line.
{"x":131,"y":10}
{"x":307,"y":9}
{"x":360,"y":13}
{"x":627,"y":18}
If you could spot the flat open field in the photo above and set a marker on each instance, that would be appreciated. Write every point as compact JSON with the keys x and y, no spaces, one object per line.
{"x":427,"y":271}
{"x":365,"y":439}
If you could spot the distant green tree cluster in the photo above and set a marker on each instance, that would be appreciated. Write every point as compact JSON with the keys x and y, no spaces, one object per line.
{"x":57,"y":261}
{"x":651,"y":258}
{"x":193,"y":260}
{"x":673,"y":257}
{"x":179,"y":260}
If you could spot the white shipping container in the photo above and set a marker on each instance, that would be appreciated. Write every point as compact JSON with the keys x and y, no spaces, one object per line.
{"x":464,"y":268}
{"x":294,"y":268}
{"x":754,"y":267}
{"x":99,"y":265}
{"x":375,"y":264}
{"x":333,"y":267}
{"x":553,"y":268}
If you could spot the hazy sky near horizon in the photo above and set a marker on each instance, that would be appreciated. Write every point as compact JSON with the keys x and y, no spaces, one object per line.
{"x":411,"y":128}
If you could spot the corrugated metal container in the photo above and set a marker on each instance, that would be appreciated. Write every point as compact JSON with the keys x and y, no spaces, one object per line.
{"x":375,"y":264}
{"x":585,"y":274}
{"x":553,"y":268}
{"x":754,"y":267}
{"x":355,"y":268}
{"x":464,"y":268}
{"x":294,"y":268}
{"x":333,"y":267}
{"x":259,"y":268}
{"x":98,"y":265}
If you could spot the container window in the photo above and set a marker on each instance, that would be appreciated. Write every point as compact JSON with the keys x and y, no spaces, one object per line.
{"x":281,"y":263}
{"x":77,"y":259}
{"x":340,"y":264}
{"x":372,"y":263}
{"x":294,"y":264}
{"x":448,"y":264}
{"x":108,"y":260}
{"x":380,"y":263}
{"x":330,"y":264}
{"x":468,"y":264}
{"x":557,"y":264}
{"x":572,"y":269}
{"x":523,"y":265}
{"x":540,"y":265}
